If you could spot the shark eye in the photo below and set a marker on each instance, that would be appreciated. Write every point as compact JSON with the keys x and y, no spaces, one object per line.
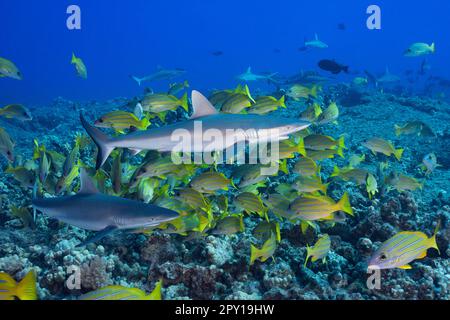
{"x":8,"y":153}
{"x":101,"y":120}
{"x":383,"y":257}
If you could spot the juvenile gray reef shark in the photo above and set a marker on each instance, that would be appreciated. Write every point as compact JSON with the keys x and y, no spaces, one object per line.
{"x":91,"y":210}
{"x":204,"y":120}
{"x":160,"y":74}
{"x":316,"y":43}
{"x":250,"y":76}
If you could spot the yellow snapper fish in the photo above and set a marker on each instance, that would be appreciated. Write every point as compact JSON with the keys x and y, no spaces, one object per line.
{"x":236,"y":103}
{"x":355,"y":160}
{"x":356,"y":175}
{"x":278,"y":204}
{"x":123,"y":293}
{"x":311,"y":113}
{"x":156,"y":103}
{"x":317,"y":155}
{"x":219,"y":97}
{"x":147,"y":189}
{"x":210,"y":182}
{"x":24,"y":290}
{"x":371,"y":185}
{"x":6,"y":145}
{"x":175,"y":88}
{"x":420,"y":49}
{"x":265,"y":229}
{"x":65,"y":181}
{"x":329,"y":115}
{"x":418,"y":128}
{"x":266,"y":251}
{"x":8,"y":69}
{"x":360,"y":81}
{"x":311,"y":208}
{"x":429,"y":163}
{"x":196,"y":200}
{"x":298,"y":92}
{"x":403,"y":248}
{"x":319,"y":250}
{"x":121,"y":120}
{"x":229,"y":225}
{"x":16,"y":111}
{"x":251,"y":203}
{"x":266,"y":104}
{"x":24,"y":215}
{"x":79,"y":66}
{"x":310,"y":184}
{"x":307,"y":167}
{"x":286,"y":149}
{"x":23,"y":175}
{"x":319,"y":142}
{"x":403,"y":182}
{"x":378,"y":145}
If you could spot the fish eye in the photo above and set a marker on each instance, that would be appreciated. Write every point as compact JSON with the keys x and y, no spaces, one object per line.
{"x":383,"y":257}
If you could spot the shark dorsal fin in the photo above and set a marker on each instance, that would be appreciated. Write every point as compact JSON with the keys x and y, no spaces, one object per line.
{"x":87,"y":184}
{"x":159,"y":67}
{"x":316,"y":37}
{"x":249,"y":70}
{"x":201,"y":106}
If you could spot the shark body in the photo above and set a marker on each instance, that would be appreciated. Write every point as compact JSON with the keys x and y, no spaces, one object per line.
{"x":233,"y":128}
{"x":248,"y":75}
{"x":91,"y":210}
{"x":160,"y":74}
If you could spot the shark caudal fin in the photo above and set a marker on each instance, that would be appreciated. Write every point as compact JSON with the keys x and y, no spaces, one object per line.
{"x":138,"y":80}
{"x":101,"y":140}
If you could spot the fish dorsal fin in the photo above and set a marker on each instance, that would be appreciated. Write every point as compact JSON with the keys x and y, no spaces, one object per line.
{"x":87,"y":184}
{"x":202,"y":107}
{"x":249,"y":70}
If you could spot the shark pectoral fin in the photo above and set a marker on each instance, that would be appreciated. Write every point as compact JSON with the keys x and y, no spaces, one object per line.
{"x":97,"y":236}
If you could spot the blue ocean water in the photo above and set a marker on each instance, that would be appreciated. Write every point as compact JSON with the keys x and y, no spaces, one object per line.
{"x":378,"y":150}
{"x":118,"y":39}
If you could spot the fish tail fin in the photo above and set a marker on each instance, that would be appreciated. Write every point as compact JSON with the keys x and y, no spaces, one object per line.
{"x":102,"y":141}
{"x":308,"y":254}
{"x":433,"y":243}
{"x":301,"y":147}
{"x":281,"y":102}
{"x":398,"y":153}
{"x":254,"y":253}
{"x":433,"y":48}
{"x":398,"y":130}
{"x":340,"y":152}
{"x":344,"y":204}
{"x":283,"y":166}
{"x":184,"y":102}
{"x":144,"y":123}
{"x":26,"y":289}
{"x":74,"y":58}
{"x":336,"y":171}
{"x":341,"y":142}
{"x":138,"y":80}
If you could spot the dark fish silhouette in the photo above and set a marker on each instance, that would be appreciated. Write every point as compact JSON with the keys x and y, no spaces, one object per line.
{"x":217,"y":53}
{"x":332,"y":66}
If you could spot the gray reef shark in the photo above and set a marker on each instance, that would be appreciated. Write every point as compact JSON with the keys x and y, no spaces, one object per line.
{"x":233,"y":128}
{"x":249,"y":76}
{"x":388,"y":77}
{"x":316,"y":43}
{"x":160,"y":74}
{"x":91,"y":210}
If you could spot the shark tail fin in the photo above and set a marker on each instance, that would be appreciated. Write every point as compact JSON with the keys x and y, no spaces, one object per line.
{"x":102,"y":141}
{"x":433,"y":48}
